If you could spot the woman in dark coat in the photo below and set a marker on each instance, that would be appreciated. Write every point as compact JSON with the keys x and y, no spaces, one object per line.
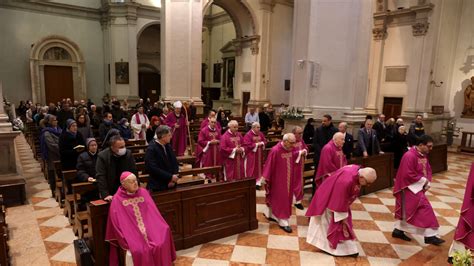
{"x":124,"y":127}
{"x":308,"y":132}
{"x":150,"y":131}
{"x":83,"y":126}
{"x":71,"y":144}
{"x":86,"y":168}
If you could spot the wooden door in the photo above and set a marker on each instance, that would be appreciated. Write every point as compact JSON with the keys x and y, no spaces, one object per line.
{"x":392,"y":107}
{"x":58,"y":83}
{"x":149,"y":86}
{"x":245,"y":102}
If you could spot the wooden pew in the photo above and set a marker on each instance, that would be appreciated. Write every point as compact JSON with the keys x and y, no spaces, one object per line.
{"x":195,"y":215}
{"x":68,"y":178}
{"x":438,"y":158}
{"x":383,"y":165}
{"x":80,"y":217}
{"x":58,"y":192}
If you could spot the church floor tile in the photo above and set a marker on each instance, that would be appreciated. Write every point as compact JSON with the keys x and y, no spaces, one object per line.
{"x":39,"y":232}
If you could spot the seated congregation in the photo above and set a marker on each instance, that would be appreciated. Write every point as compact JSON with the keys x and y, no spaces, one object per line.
{"x":125,"y":164}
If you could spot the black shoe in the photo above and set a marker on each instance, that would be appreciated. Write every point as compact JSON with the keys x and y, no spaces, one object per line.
{"x":257,"y":187}
{"x":434,"y":240}
{"x":299,"y":206}
{"x":450,"y":260}
{"x":270,"y":219}
{"x":400,"y":234}
{"x":354,"y":255}
{"x":286,"y":229}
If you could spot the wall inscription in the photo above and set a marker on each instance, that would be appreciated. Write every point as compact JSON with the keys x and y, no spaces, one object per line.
{"x":395,"y":74}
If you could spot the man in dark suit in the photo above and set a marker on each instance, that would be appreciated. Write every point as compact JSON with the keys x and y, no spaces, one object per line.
{"x":322,"y":135}
{"x":161,"y":162}
{"x":379,"y":127}
{"x":348,"y":146}
{"x":367,"y":141}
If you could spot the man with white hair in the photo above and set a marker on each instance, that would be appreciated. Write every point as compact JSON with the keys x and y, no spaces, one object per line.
{"x":302,"y":150}
{"x":207,"y":148}
{"x":178,"y":122}
{"x":278,"y":174}
{"x":330,"y":225}
{"x":254,"y":145}
{"x":232,"y":152}
{"x":348,"y":146}
{"x":332,"y":158}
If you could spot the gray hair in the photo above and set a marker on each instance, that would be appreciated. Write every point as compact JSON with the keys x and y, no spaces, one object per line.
{"x":114,"y":139}
{"x":295,"y":129}
{"x":233,"y":123}
{"x":162,"y":130}
{"x":255,"y":124}
{"x":337,"y":134}
{"x":288,"y":136}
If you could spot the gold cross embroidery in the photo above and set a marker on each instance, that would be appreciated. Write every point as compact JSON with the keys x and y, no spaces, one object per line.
{"x":138,"y":216}
{"x":287,"y":156}
{"x":423,"y":164}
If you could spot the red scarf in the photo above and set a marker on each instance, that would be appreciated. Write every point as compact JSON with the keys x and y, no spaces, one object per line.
{"x":141,"y":135}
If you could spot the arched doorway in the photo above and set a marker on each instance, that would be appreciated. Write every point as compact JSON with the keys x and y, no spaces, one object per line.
{"x":57,"y":70}
{"x":148,"y":55}
{"x":228,"y":30}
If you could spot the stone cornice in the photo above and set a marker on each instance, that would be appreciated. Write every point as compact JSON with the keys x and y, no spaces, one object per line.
{"x":53,"y":8}
{"x":217,"y":19}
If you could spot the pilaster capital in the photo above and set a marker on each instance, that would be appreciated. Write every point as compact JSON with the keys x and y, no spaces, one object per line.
{"x":379,"y":33}
{"x":420,"y":28}
{"x":267,"y":5}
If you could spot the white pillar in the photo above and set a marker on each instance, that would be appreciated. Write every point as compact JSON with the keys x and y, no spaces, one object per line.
{"x":181,"y":35}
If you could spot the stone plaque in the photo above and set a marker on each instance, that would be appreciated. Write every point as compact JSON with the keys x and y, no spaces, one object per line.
{"x":246,"y":77}
{"x":395,"y":74}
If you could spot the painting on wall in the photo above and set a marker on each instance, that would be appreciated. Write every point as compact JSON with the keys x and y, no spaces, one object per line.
{"x":217,"y":73}
{"x":121,"y":73}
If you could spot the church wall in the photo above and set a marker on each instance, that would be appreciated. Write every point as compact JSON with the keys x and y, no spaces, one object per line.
{"x":281,"y":62}
{"x":397,"y":53}
{"x":21,"y":29}
{"x":149,"y":47}
{"x":220,"y":35}
{"x":459,"y":41}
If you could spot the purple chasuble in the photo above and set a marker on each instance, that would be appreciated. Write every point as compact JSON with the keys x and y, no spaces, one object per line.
{"x":464,"y":231}
{"x":278,"y":171}
{"x":208,"y":154}
{"x":254,"y":160}
{"x":332,"y":158}
{"x":233,"y":167}
{"x":337,"y":193}
{"x":135,"y":224}
{"x":299,"y":170}
{"x":178,"y":141}
{"x":415,"y":209}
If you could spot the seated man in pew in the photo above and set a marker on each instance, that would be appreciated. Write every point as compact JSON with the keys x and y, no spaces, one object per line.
{"x":136,"y":225}
{"x":111,"y":162}
{"x":161,"y":162}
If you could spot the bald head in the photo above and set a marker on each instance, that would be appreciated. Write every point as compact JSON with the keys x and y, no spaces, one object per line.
{"x":367,"y":176}
{"x":338,"y":139}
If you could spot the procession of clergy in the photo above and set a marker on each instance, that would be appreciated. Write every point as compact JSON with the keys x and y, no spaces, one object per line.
{"x":337,"y":185}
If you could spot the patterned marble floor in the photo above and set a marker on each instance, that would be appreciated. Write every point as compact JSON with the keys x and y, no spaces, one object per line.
{"x":41,"y":235}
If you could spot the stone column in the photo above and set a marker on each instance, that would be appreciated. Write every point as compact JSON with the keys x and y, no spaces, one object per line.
{"x":181,"y":35}
{"x":261,"y":85}
{"x":120,"y":42}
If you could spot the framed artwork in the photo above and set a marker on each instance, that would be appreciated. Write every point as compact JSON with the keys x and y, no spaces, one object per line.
{"x":217,"y":73}
{"x":121,"y":73}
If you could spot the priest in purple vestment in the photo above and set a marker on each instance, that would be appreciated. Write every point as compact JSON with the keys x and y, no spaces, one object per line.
{"x":332,"y":158}
{"x":330,"y":225}
{"x":277,"y":173}
{"x":135,"y":224}
{"x":254,"y":144}
{"x":205,"y":122}
{"x":232,"y":152}
{"x":298,"y":182}
{"x":207,"y":148}
{"x":178,"y":123}
{"x":413,"y":210}
{"x":464,"y":234}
